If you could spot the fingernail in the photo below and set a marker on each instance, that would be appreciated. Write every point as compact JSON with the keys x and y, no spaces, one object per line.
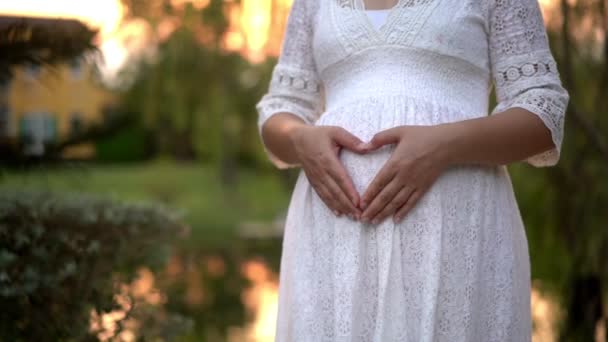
{"x":337,"y":213}
{"x":396,"y":219}
{"x":363,"y":146}
{"x":376,"y":221}
{"x":363,"y":204}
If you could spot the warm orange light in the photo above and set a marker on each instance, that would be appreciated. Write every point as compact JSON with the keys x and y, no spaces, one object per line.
{"x":545,"y":314}
{"x":255,"y":21}
{"x":545,"y":3}
{"x":256,"y":25}
{"x":261,"y":300}
{"x":198,"y":4}
{"x":143,"y":289}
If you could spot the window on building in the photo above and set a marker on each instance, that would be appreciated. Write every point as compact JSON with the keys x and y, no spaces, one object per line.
{"x":36,"y":130}
{"x":32,"y":71}
{"x":76,"y":123}
{"x":4,"y":117}
{"x":76,"y":68}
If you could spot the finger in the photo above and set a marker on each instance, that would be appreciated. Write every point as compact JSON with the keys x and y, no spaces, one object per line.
{"x":391,"y":208}
{"x":322,"y":192}
{"x":339,"y":197}
{"x":384,"y":177}
{"x":327,"y":198}
{"x":405,"y":209}
{"x":341,"y":177}
{"x":386,"y":137}
{"x":346,"y":139}
{"x":380,"y":201}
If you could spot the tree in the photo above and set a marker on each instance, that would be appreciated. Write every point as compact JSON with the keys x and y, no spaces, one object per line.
{"x":197,"y":97}
{"x":41,"y":41}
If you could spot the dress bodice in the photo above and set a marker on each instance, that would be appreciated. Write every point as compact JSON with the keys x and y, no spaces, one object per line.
{"x":448,"y":53}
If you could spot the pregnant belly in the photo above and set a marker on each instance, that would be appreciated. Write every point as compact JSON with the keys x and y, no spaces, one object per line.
{"x":366,"y":117}
{"x":459,"y":188}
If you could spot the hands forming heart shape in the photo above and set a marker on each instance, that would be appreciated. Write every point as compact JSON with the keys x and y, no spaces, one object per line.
{"x":416,"y":162}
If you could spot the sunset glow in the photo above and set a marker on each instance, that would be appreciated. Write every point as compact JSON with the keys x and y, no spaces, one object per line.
{"x":255,"y":30}
{"x":261,"y":302}
{"x":255,"y":23}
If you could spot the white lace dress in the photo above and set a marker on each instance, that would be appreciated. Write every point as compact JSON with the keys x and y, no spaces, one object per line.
{"x":457,"y":267}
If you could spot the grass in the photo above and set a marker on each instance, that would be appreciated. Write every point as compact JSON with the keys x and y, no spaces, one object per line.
{"x":212,"y":210}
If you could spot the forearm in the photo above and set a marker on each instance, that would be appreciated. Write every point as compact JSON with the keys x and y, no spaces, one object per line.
{"x":498,"y":139}
{"x":277,"y":134}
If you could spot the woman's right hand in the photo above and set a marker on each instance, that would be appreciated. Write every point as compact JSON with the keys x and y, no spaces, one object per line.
{"x":318,"y":149}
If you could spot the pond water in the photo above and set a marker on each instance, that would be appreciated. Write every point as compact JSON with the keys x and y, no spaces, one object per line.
{"x":231,"y":295}
{"x":223,"y":294}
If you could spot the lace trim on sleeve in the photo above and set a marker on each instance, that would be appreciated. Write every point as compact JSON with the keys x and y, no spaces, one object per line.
{"x":291,"y":91}
{"x":511,"y":74}
{"x":294,"y":91}
{"x":532,"y":82}
{"x":297,"y":83}
{"x":549,"y":108}
{"x":524,"y":70}
{"x":294,"y":87}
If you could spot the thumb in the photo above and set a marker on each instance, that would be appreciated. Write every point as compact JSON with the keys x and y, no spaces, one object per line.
{"x":386,"y":137}
{"x":346,"y":139}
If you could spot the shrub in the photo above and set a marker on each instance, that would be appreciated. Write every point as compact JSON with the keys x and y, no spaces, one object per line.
{"x":131,"y":143}
{"x":63,"y":257}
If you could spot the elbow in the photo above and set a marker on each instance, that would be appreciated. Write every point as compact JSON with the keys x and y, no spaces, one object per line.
{"x":548,"y":141}
{"x":545,"y":136}
{"x":268,"y":141}
{"x":548,"y":104}
{"x":275,"y":130}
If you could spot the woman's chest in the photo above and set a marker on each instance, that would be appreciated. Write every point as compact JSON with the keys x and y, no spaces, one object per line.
{"x":455,"y":28}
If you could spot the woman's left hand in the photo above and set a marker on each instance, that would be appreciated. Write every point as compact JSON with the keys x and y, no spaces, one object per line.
{"x":416,"y":162}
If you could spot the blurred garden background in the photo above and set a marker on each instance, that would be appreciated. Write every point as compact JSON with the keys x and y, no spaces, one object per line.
{"x":137,"y":204}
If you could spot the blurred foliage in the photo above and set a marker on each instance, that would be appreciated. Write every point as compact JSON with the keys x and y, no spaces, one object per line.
{"x":213,"y":213}
{"x":126,"y":144}
{"x":195,"y":97}
{"x":214,"y":217}
{"x":41,"y":41}
{"x":62,"y":256}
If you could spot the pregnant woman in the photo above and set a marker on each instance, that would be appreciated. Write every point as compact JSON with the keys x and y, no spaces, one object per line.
{"x":403,"y":224}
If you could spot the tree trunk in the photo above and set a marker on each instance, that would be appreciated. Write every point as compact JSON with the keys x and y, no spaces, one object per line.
{"x":583,"y":309}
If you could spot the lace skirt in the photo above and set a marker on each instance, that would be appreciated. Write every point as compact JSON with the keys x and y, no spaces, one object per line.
{"x":455,"y":269}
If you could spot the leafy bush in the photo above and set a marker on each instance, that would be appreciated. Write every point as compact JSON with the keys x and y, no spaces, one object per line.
{"x":131,"y":143}
{"x":63,"y":257}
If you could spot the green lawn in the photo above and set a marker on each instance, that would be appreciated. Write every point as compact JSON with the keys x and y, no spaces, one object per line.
{"x":212,"y":210}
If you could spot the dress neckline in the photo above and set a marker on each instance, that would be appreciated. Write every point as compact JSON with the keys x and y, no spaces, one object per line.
{"x":377,"y":17}
{"x":395,"y":27}
{"x":390,"y":14}
{"x":360,"y":4}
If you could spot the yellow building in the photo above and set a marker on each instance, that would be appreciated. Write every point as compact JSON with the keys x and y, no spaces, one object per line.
{"x":51,"y":103}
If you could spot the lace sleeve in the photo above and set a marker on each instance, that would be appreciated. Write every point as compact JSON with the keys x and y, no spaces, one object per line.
{"x":524,"y":70}
{"x":295,"y":86}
